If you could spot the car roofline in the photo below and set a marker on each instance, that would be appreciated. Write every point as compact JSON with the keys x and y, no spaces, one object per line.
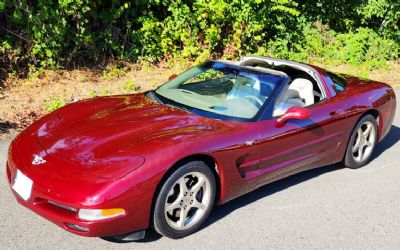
{"x":256,"y":69}
{"x":276,"y":62}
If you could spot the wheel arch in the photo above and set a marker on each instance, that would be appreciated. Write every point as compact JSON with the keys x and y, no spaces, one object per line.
{"x":207,"y":159}
{"x":371,"y":111}
{"x":375,"y":113}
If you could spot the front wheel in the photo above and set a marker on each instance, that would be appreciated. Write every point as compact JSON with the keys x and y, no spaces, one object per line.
{"x":362,"y":142}
{"x":185,"y":200}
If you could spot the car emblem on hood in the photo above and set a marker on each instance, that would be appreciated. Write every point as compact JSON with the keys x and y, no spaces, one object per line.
{"x":37,"y":160}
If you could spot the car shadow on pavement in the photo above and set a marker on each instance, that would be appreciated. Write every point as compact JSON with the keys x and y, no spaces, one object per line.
{"x":391,"y":138}
{"x":219,"y":212}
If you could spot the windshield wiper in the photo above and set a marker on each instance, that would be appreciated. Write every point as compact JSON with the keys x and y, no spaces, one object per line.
{"x":155,"y":96}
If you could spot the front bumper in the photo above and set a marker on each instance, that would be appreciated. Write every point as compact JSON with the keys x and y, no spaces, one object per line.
{"x":56,"y":182}
{"x":67,"y":219}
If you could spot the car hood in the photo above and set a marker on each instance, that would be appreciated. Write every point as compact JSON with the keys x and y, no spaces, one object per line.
{"x":108,"y":135}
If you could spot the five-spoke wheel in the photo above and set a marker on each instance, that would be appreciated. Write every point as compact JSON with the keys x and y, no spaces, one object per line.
{"x":362,"y":142}
{"x":184,"y":200}
{"x":187,"y":200}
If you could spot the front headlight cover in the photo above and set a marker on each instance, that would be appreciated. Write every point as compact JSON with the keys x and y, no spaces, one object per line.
{"x":100,"y":214}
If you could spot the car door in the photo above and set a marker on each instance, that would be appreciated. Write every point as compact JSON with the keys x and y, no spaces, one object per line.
{"x":304,"y":144}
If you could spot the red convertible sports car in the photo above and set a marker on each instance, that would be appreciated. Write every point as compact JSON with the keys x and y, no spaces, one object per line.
{"x":116,"y":166}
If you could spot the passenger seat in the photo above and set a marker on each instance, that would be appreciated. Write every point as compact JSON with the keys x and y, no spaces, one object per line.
{"x":299,"y":94}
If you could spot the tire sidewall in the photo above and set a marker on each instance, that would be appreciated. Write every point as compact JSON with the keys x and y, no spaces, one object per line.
{"x":159,"y":222}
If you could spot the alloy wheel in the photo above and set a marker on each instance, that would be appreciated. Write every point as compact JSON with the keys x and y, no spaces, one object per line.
{"x":187,"y":200}
{"x":364,"y":141}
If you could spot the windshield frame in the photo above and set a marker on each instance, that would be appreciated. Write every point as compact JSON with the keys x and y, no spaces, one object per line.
{"x":207,"y":114}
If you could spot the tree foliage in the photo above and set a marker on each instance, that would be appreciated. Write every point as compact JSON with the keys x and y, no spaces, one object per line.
{"x":58,"y":33}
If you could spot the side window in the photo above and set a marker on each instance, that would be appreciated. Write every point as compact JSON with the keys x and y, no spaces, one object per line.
{"x":281,"y":106}
{"x":299,"y":93}
{"x":338,"y":82}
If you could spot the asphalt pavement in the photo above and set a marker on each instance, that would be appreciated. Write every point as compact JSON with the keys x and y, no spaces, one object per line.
{"x":330,"y":208}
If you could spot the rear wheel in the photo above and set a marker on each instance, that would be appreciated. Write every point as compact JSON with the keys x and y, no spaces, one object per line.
{"x":185,"y":200}
{"x":362,"y":142}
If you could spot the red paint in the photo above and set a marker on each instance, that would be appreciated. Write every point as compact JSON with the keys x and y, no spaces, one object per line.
{"x":295,"y":113}
{"x":112,"y":152}
{"x":172,"y":76}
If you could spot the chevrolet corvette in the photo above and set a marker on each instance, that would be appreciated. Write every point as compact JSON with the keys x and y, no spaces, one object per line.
{"x":117,"y":166}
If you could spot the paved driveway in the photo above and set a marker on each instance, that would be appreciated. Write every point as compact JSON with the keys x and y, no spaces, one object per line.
{"x":331,"y":207}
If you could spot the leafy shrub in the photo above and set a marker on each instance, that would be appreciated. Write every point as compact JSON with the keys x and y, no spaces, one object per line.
{"x":65,"y":33}
{"x":129,"y":86}
{"x":360,"y":47}
{"x":114,"y":72}
{"x":92,"y":94}
{"x":54,"y":103}
{"x":203,"y":28}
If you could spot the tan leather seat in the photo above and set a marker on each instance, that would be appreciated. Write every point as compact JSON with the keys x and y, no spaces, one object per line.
{"x":303,"y":89}
{"x":300,"y":94}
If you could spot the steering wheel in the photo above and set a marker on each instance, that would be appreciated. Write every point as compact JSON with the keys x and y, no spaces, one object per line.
{"x":255,"y":100}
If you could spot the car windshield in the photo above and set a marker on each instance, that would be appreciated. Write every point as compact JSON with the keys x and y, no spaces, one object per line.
{"x":221,"y":90}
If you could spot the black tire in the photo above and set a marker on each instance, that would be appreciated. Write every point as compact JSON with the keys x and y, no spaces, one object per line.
{"x":350,"y":160}
{"x":160,"y":223}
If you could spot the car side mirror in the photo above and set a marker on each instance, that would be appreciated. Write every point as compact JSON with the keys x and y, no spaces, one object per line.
{"x":172,"y":77}
{"x":296,"y":113}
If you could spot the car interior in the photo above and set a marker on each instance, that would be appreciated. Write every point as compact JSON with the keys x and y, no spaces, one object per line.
{"x":242,"y":95}
{"x":302,"y":91}
{"x":239,"y":95}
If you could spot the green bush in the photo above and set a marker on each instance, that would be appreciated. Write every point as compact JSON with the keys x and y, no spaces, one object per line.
{"x":360,"y":47}
{"x":66,"y":33}
{"x":54,"y":103}
{"x":205,"y":28}
{"x":130,"y":86}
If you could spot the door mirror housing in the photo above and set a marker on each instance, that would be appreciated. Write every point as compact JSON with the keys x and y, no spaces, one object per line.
{"x":172,"y":77}
{"x":296,"y":113}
